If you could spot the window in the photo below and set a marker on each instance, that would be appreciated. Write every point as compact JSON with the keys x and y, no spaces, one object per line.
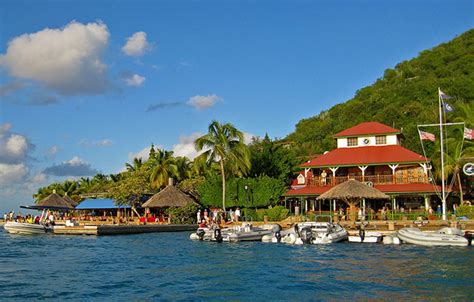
{"x":351,"y":141}
{"x":380,"y":139}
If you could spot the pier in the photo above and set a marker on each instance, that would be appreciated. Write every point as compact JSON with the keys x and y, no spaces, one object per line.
{"x":102,"y":230}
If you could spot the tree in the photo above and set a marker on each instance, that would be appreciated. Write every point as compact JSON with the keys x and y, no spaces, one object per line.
{"x":136,"y":165}
{"x":183,"y":168}
{"x":162,"y":167}
{"x":225,"y":144}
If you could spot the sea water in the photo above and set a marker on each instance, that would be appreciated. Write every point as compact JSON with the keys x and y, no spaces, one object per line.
{"x":170,"y":267}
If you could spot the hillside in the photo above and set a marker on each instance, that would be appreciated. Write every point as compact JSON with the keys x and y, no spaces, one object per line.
{"x":403,"y":98}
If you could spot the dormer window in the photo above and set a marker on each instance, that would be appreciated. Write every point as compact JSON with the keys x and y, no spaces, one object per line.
{"x":381,"y":139}
{"x":352,"y":141}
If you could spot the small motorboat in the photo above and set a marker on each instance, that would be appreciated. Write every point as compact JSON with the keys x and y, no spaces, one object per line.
{"x":212,"y":233}
{"x":443,"y":237}
{"x":14,"y":227}
{"x":323,"y":233}
{"x":366,"y":237}
{"x":248,"y":232}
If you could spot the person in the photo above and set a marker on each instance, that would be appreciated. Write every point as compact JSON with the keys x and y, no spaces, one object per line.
{"x":439,"y":211}
{"x":214,"y":215}
{"x":430,"y":211}
{"x":359,"y":214}
{"x":237,"y":214}
{"x":37,"y":219}
{"x":323,"y":178}
{"x":198,"y":216}
{"x":5,"y":217}
{"x":231,"y":214}
{"x":206,"y":215}
{"x":51,"y":218}
{"x":384,"y":213}
{"x":455,"y":208}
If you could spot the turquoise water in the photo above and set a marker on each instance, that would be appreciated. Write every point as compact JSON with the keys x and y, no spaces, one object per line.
{"x":170,"y":267}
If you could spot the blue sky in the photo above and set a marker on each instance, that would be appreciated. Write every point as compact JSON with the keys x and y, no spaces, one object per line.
{"x":86,"y":85}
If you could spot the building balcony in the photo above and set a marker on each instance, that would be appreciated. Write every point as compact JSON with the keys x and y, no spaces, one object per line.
{"x":374,"y":179}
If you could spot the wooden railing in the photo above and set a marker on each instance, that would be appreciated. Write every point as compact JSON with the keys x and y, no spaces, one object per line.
{"x":374,"y":179}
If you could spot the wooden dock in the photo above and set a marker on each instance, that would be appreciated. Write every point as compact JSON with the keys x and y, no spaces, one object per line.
{"x":102,"y":230}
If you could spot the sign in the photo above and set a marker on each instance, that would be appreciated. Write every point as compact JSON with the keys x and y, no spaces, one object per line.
{"x":468,"y":169}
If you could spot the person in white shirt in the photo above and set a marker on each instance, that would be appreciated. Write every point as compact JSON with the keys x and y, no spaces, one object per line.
{"x":237,"y":214}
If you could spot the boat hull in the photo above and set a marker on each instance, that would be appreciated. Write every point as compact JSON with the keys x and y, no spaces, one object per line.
{"x":370,"y":237}
{"x":25,"y":228}
{"x":416,"y":236}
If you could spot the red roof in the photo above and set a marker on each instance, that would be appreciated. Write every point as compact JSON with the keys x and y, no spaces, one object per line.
{"x":367,"y":128}
{"x":391,"y":154}
{"x":395,"y":188}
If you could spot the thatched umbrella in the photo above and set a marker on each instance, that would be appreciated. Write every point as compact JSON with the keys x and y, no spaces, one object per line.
{"x":55,"y":201}
{"x":168,"y":197}
{"x":352,"y":192}
{"x":70,"y":201}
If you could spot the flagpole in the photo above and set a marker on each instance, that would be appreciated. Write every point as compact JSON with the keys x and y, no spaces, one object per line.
{"x":443,"y":197}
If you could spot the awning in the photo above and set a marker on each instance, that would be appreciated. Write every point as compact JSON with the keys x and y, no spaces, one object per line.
{"x":100,"y":204}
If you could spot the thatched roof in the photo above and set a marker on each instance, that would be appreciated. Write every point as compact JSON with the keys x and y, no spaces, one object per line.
{"x":353,"y":189}
{"x":168,"y":197}
{"x":70,"y":201}
{"x":55,"y":201}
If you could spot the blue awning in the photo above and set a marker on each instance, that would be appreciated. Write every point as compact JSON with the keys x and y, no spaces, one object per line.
{"x":99,"y":204}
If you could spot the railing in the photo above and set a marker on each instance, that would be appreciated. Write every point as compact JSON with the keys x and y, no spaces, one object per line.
{"x":375,"y":179}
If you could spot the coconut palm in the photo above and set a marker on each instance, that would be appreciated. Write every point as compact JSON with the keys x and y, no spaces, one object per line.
{"x":183,"y":168}
{"x":162,"y":167}
{"x":225,"y":144}
{"x":135,"y":165}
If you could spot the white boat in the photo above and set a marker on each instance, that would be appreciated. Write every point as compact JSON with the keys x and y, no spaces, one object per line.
{"x":248,"y":232}
{"x":366,"y":237}
{"x":26,"y":228}
{"x":443,"y":237}
{"x":321,"y":232}
{"x":209,"y":234}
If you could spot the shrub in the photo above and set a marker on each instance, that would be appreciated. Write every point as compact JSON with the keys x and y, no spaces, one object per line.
{"x":465,"y":210}
{"x":183,"y":215}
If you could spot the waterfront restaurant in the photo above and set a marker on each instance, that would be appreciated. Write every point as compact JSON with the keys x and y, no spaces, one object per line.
{"x":371,"y":153}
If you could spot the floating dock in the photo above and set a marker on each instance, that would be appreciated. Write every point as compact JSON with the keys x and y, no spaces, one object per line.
{"x":101,"y":230}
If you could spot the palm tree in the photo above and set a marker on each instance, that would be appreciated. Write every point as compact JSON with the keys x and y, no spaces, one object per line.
{"x":183,"y":168}
{"x":225,"y":144}
{"x":135,"y":166}
{"x":162,"y":167}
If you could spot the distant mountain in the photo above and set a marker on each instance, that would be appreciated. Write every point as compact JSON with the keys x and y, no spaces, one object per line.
{"x":403,"y":98}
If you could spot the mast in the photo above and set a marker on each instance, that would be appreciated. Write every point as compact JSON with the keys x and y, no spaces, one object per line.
{"x":443,"y":195}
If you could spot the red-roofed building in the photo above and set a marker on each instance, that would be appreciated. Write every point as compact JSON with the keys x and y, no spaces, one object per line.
{"x":371,"y":153}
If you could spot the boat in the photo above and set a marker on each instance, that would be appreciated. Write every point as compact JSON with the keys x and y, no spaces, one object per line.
{"x":14,"y":227}
{"x":248,"y":232}
{"x":212,"y":233}
{"x":443,"y":237}
{"x":366,"y":237}
{"x":321,"y":232}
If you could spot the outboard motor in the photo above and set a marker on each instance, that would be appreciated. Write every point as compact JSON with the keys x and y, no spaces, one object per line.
{"x":306,"y":234}
{"x":278,"y":236}
{"x":200,"y":233}
{"x":468,"y":236}
{"x":218,"y":235}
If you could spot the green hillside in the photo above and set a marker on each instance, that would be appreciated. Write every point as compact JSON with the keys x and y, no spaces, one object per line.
{"x":403,"y":98}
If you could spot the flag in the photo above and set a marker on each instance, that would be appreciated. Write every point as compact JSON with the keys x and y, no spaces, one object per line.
{"x":427,"y":136}
{"x":447,"y":107}
{"x":468,"y":133}
{"x":443,"y":95}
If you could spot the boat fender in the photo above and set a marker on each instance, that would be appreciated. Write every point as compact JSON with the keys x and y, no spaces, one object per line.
{"x":278,"y":236}
{"x":200,"y":234}
{"x":218,"y":235}
{"x":361,"y":234}
{"x":468,"y":236}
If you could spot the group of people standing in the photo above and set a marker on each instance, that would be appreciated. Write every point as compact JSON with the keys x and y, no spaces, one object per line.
{"x":50,"y":218}
{"x":218,"y":215}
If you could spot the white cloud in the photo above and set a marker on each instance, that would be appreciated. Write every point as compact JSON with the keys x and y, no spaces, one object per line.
{"x":143,"y":154}
{"x":185,"y":147}
{"x":73,"y":167}
{"x":102,"y":143}
{"x":12,"y":173}
{"x":201,"y":102}
{"x":135,"y":80}
{"x":13,"y":147}
{"x":39,"y":178}
{"x":248,"y":138}
{"x":136,"y":45}
{"x":54,"y":150}
{"x":66,"y":60}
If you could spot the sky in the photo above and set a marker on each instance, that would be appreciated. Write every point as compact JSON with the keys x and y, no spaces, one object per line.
{"x":86,"y":86}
